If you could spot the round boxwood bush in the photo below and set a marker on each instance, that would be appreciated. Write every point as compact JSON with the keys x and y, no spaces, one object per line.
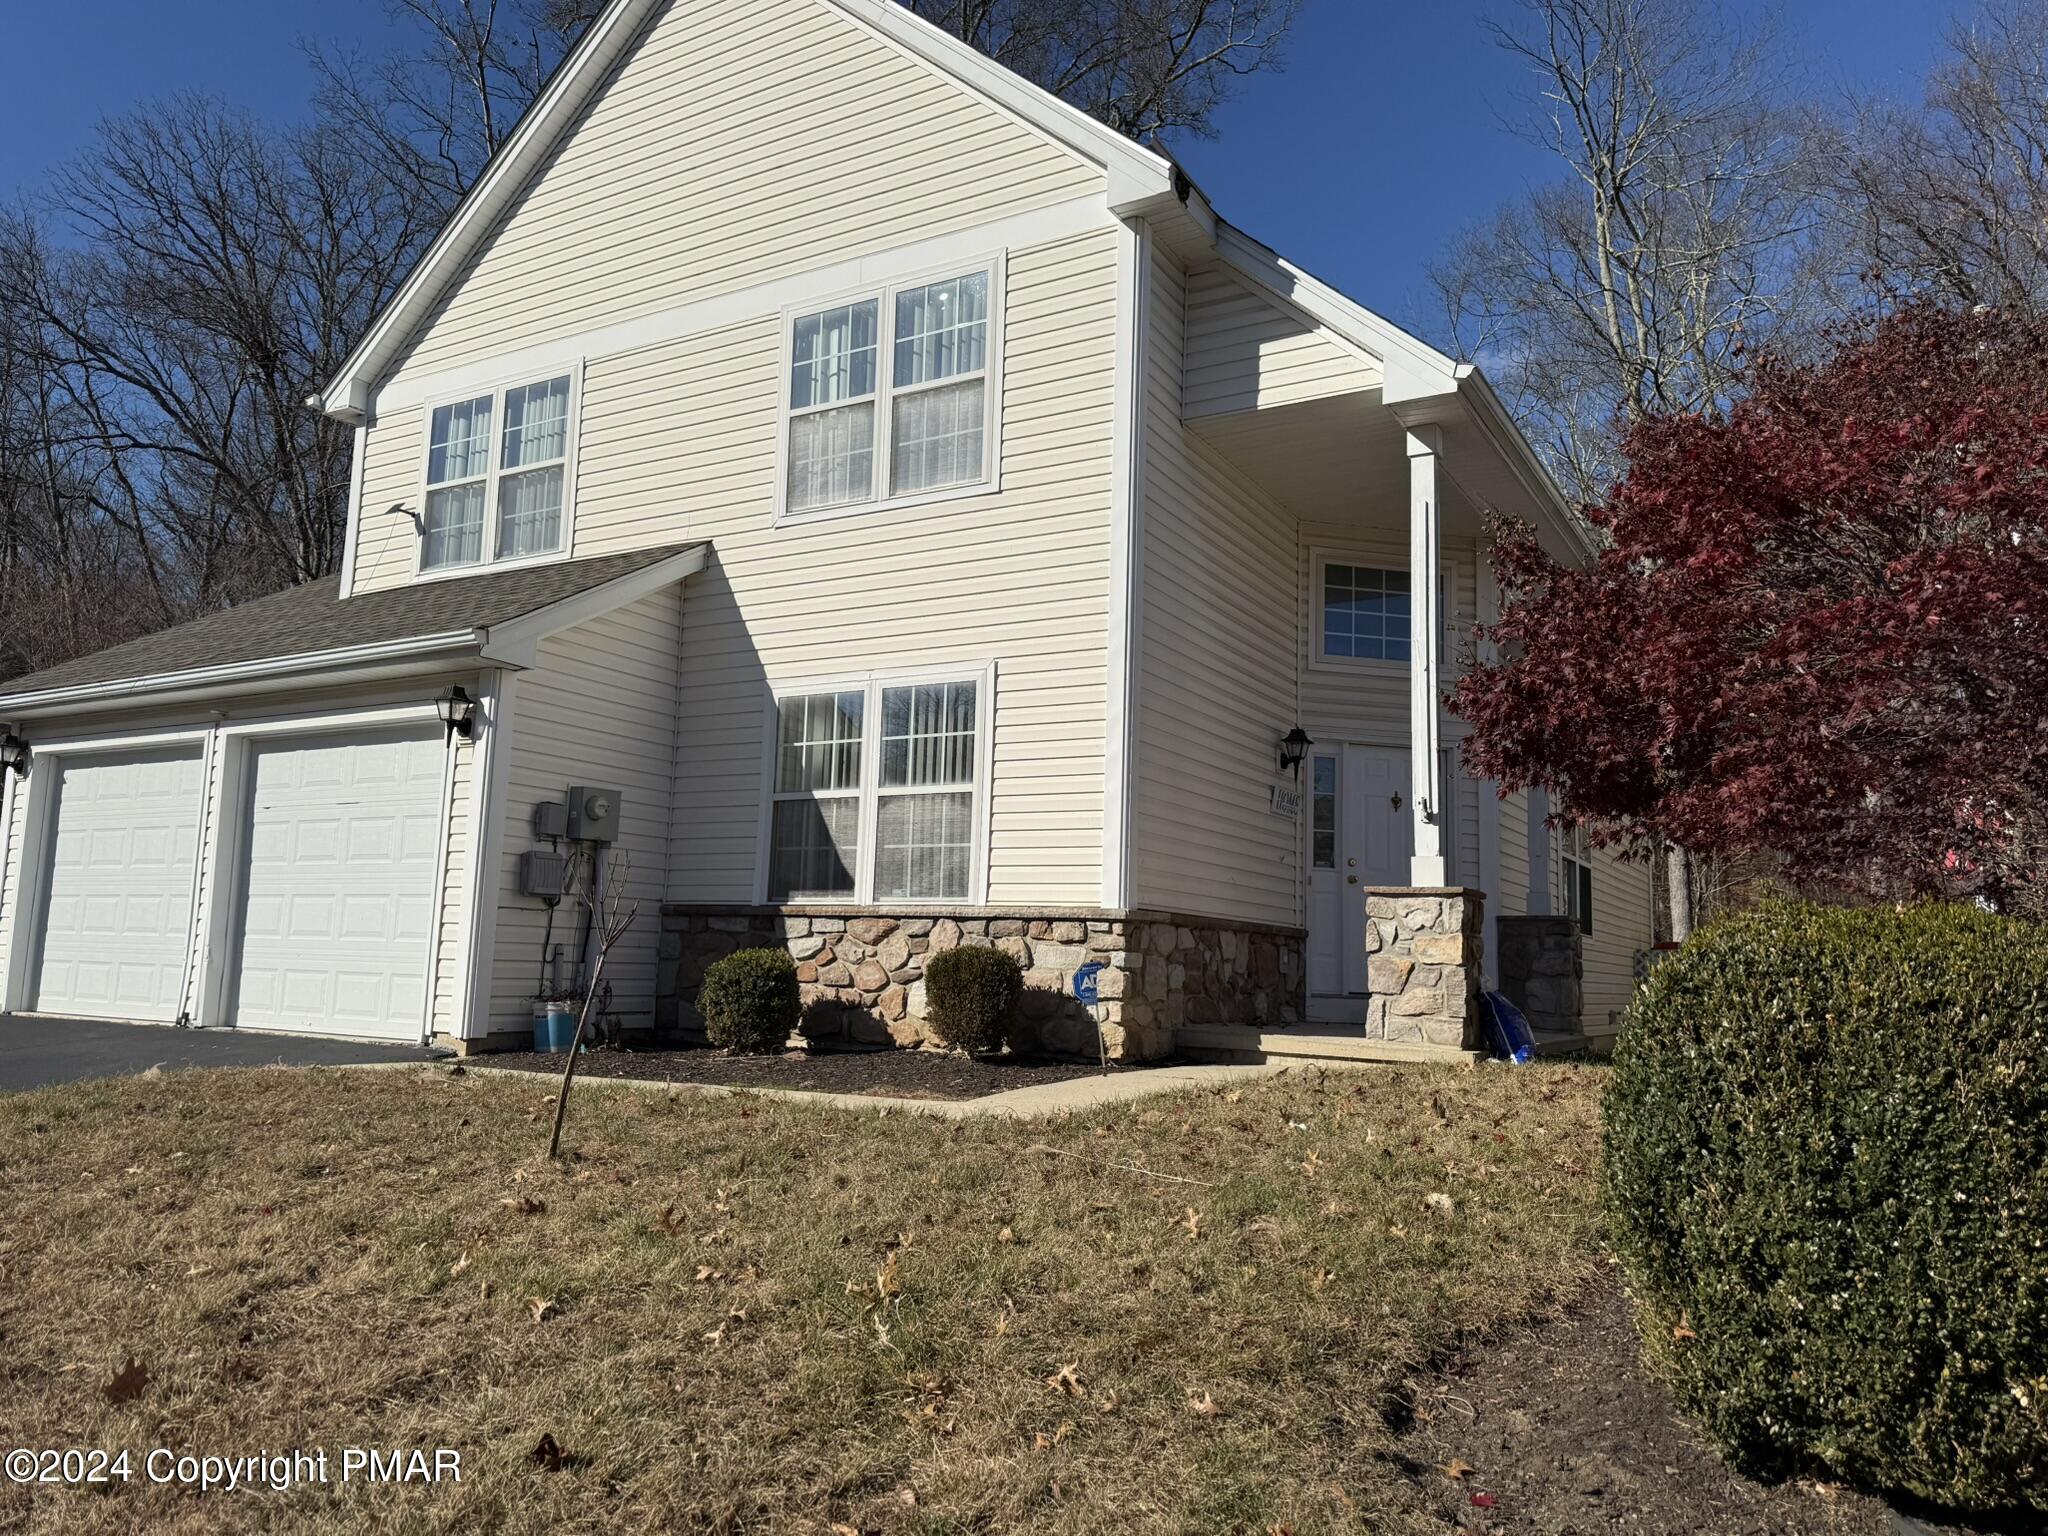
{"x":1827,"y":1172}
{"x":750,"y":1001}
{"x":971,"y":996}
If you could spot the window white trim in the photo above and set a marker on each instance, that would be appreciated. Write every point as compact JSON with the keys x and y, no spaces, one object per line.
{"x":883,"y":294}
{"x":871,"y":684}
{"x":1575,"y":877}
{"x":493,"y":473}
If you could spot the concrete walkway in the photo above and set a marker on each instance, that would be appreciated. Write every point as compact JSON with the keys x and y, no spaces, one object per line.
{"x":36,"y":1051}
{"x":1079,"y":1093}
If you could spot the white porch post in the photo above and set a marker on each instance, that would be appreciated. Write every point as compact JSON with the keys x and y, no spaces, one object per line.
{"x":1425,"y":683}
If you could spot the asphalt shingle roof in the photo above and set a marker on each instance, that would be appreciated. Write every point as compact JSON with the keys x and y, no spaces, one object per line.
{"x":313,"y":618}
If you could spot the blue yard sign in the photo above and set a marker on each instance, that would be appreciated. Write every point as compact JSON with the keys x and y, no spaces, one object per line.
{"x":1085,"y":982}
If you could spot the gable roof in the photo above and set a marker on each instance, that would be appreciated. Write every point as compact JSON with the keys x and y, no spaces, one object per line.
{"x":1138,"y":176}
{"x":313,"y":628}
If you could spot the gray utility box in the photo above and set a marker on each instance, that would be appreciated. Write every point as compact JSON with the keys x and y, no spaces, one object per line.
{"x":543,"y":874}
{"x":593,"y":815}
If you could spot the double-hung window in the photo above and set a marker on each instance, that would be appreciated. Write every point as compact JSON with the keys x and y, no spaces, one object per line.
{"x":497,"y":476}
{"x":1575,"y":873}
{"x":890,"y":396}
{"x":876,"y":791}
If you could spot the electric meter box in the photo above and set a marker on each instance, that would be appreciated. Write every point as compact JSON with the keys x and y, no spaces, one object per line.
{"x":593,"y":815}
{"x":542,"y":874}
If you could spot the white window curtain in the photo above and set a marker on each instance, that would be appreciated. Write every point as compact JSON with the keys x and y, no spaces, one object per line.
{"x":924,"y":829}
{"x":814,"y":838}
{"x":523,"y":479}
{"x":937,"y":431}
{"x":458,"y":465}
{"x":832,"y":425}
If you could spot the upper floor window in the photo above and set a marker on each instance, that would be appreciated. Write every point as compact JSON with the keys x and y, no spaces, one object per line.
{"x":497,"y":475}
{"x":875,"y":792}
{"x":890,"y":398}
{"x":1364,"y":613}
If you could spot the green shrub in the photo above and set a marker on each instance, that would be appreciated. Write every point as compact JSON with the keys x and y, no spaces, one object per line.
{"x":750,"y":1001}
{"x":971,"y":996}
{"x":1827,"y":1172}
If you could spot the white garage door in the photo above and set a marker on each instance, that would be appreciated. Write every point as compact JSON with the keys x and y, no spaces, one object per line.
{"x":117,"y":916}
{"x":338,"y":887}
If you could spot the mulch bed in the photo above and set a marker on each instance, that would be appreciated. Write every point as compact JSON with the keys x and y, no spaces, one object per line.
{"x":885,"y":1074}
{"x":1563,"y":1429}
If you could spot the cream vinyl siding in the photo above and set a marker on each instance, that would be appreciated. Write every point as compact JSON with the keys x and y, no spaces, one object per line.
{"x":13,"y":827}
{"x":599,"y":710}
{"x":1245,"y":352}
{"x":1512,"y":899}
{"x":455,"y":858}
{"x":394,"y":465}
{"x":1621,"y":926}
{"x":1216,"y":684}
{"x":738,"y":141}
{"x":680,"y":442}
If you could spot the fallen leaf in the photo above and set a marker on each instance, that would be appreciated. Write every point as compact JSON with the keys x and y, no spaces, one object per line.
{"x":459,"y":1265}
{"x":1441,"y":1203}
{"x":526,"y":1205}
{"x":1193,"y":1223}
{"x":907,"y":1497}
{"x":1482,"y":1501}
{"x":1682,"y":1332}
{"x":665,"y":1218}
{"x":128,"y":1382}
{"x":542,"y":1308}
{"x":1067,"y":1381}
{"x":547,"y":1455}
{"x":1321,"y":1278}
{"x":1205,"y":1405}
{"x":1456,"y":1468}
{"x":886,"y":1283}
{"x":1006,"y":1236}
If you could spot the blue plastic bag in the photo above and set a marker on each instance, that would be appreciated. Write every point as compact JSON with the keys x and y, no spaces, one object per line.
{"x":1512,"y":1038}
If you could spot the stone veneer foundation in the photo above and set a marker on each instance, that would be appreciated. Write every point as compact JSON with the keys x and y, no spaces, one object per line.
{"x":1542,"y":971}
{"x":862,"y":971}
{"x":1424,"y":948}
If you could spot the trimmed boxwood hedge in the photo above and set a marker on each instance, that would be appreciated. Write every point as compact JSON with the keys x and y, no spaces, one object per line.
{"x":1827,"y":1173}
{"x":750,"y":1001}
{"x":971,"y":996}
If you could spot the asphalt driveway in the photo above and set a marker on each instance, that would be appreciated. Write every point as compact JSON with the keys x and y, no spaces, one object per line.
{"x":35,"y":1052}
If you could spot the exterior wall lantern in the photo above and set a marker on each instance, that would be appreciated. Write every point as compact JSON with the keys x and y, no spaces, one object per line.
{"x":458,"y":712}
{"x":1293,"y":748}
{"x":14,"y":754}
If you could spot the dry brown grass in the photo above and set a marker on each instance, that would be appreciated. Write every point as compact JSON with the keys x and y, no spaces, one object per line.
{"x":772,"y":1317}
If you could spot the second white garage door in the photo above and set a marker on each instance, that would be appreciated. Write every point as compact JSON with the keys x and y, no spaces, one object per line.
{"x":342,"y":846}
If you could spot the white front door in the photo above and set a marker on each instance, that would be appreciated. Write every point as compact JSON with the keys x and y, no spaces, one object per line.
{"x":1360,"y":834}
{"x":342,"y":846}
{"x":117,"y":906}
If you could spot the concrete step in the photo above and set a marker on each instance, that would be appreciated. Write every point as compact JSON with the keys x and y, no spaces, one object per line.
{"x":1309,"y":1042}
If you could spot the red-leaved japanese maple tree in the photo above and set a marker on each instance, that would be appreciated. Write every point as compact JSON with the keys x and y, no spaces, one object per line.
{"x":1819,"y":628}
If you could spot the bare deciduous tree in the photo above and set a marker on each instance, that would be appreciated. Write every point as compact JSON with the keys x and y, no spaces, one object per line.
{"x":1950,"y":197}
{"x":1674,"y":234}
{"x":1148,"y":68}
{"x":191,"y":280}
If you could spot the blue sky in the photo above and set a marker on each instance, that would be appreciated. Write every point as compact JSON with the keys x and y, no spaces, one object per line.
{"x":1391,"y":106}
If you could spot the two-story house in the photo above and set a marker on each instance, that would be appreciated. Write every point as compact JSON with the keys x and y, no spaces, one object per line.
{"x":919,"y":519}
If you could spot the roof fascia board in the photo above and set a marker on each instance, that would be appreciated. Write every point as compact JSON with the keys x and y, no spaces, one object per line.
{"x":1412,"y":367}
{"x":347,"y":396}
{"x":516,"y":642}
{"x":347,"y":663}
{"x":1136,"y":174}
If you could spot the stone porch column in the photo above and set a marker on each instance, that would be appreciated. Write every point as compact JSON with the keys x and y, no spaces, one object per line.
{"x":1425,"y":946}
{"x":1425,"y":682}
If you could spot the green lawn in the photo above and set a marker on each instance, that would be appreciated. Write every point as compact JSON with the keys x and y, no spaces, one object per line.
{"x":738,"y":1314}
